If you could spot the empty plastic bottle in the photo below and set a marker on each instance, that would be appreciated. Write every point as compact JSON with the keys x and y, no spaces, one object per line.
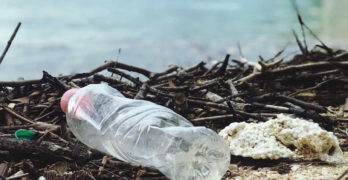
{"x":142,"y":132}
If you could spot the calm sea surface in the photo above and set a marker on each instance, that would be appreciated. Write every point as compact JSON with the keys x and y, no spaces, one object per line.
{"x":64,"y":37}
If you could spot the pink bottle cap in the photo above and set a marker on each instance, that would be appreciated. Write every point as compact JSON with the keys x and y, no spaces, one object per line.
{"x":65,"y":99}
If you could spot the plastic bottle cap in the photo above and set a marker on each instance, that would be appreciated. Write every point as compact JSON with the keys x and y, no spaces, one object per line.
{"x":23,"y":134}
{"x":65,"y":99}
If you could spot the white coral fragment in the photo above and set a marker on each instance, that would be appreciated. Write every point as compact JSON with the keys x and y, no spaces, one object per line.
{"x":282,"y":137}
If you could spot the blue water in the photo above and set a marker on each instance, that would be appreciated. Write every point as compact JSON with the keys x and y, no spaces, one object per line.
{"x":64,"y":37}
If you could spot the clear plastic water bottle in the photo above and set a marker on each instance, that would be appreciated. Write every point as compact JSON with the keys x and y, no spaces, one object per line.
{"x":142,"y":132}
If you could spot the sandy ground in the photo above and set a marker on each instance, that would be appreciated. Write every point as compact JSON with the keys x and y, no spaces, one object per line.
{"x":297,"y":172}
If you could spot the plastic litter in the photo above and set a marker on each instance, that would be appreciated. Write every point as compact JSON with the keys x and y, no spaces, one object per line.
{"x":24,"y":134}
{"x":142,"y":132}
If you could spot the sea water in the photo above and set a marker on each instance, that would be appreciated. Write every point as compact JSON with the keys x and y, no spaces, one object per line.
{"x":64,"y":37}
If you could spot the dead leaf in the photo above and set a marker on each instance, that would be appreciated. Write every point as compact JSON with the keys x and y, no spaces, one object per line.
{"x":171,"y":84}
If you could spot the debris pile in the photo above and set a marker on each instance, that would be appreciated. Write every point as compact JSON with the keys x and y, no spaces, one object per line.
{"x":312,"y":85}
{"x":230,"y":91}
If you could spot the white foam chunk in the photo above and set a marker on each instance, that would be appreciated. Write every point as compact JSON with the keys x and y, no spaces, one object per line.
{"x":282,"y":137}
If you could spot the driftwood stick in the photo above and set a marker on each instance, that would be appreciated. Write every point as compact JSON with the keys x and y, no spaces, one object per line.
{"x":225,"y":107}
{"x":298,"y":102}
{"x":9,"y":42}
{"x":110,"y":80}
{"x":255,"y":105}
{"x":109,"y":64}
{"x":170,"y":73}
{"x":170,"y":70}
{"x":136,"y":81}
{"x":197,"y":66}
{"x":48,"y":107}
{"x":55,"y":81}
{"x":19,"y":83}
{"x":15,"y":127}
{"x":342,"y":56}
{"x":163,"y":78}
{"x":312,"y":66}
{"x":321,"y":73}
{"x":294,"y":5}
{"x":299,"y":43}
{"x":279,"y":53}
{"x":222,"y":69}
{"x":174,"y":89}
{"x":39,"y":118}
{"x":256,"y":116}
{"x":132,"y":68}
{"x":329,"y":122}
{"x":67,"y":77}
{"x":303,"y":104}
{"x":45,"y":147}
{"x":266,"y":66}
{"x":213,"y":118}
{"x":200,"y":102}
{"x":90,"y":73}
{"x":295,"y":68}
{"x":209,"y":104}
{"x":158,"y":92}
{"x":233,"y":89}
{"x":205,"y":84}
{"x":73,"y":85}
{"x":17,"y":175}
{"x":178,"y":74}
{"x":181,"y":74}
{"x":212,"y":68}
{"x":231,"y":96}
{"x":323,"y":45}
{"x":249,"y":77}
{"x":311,"y":88}
{"x":9,"y":110}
